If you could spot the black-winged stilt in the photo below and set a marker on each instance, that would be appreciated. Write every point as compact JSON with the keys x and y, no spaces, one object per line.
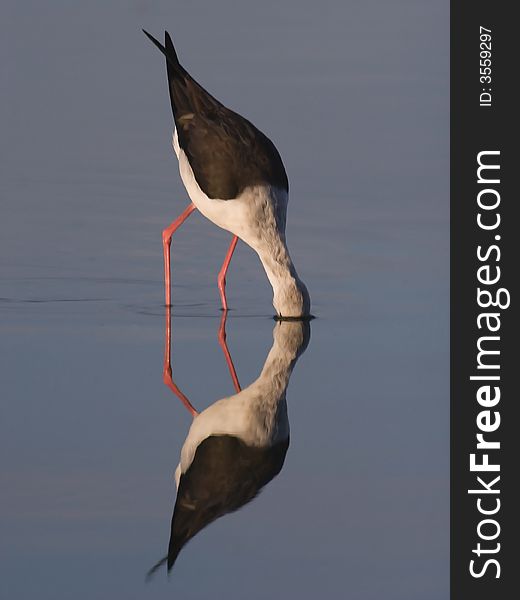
{"x":234,"y":175}
{"x":236,"y":445}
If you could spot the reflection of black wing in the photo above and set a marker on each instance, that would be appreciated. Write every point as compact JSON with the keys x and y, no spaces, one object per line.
{"x":226,"y":152}
{"x":225,"y":474}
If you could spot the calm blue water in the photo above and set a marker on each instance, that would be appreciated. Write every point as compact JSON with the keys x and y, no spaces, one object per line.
{"x":355,"y":95}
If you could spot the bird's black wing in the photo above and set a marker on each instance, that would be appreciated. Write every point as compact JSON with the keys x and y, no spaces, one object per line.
{"x":225,"y":474}
{"x":226,"y":152}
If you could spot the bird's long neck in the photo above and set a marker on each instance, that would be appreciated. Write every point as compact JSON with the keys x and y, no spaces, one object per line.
{"x":290,"y":296}
{"x":288,"y":340}
{"x":268,"y":391}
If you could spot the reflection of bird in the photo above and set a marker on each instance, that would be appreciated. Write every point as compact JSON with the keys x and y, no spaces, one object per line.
{"x":234,"y":175}
{"x":237,"y":445}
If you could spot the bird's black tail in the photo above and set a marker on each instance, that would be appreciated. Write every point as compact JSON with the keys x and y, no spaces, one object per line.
{"x":187,"y":97}
{"x":156,"y":567}
{"x":168,"y":50}
{"x":177,"y":75}
{"x":169,"y":560}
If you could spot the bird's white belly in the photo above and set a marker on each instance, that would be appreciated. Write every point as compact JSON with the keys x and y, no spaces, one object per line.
{"x":258,"y":210}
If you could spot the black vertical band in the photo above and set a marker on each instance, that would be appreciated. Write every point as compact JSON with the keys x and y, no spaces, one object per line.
{"x":485,"y":256}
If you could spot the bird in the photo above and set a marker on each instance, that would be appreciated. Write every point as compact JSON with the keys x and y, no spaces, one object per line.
{"x":235,"y":446}
{"x":235,"y":177}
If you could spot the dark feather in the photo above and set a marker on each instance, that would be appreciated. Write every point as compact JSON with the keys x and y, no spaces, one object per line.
{"x":225,"y":474}
{"x":226,"y":152}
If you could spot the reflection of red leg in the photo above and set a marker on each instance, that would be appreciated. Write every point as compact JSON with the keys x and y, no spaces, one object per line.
{"x":167,"y":370}
{"x":222,"y":275}
{"x":167,"y":240}
{"x":227,"y":355}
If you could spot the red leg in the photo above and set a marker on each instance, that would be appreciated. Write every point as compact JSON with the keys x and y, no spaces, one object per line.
{"x":222,"y":275}
{"x":167,"y":370}
{"x":167,"y":240}
{"x":227,"y":355}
